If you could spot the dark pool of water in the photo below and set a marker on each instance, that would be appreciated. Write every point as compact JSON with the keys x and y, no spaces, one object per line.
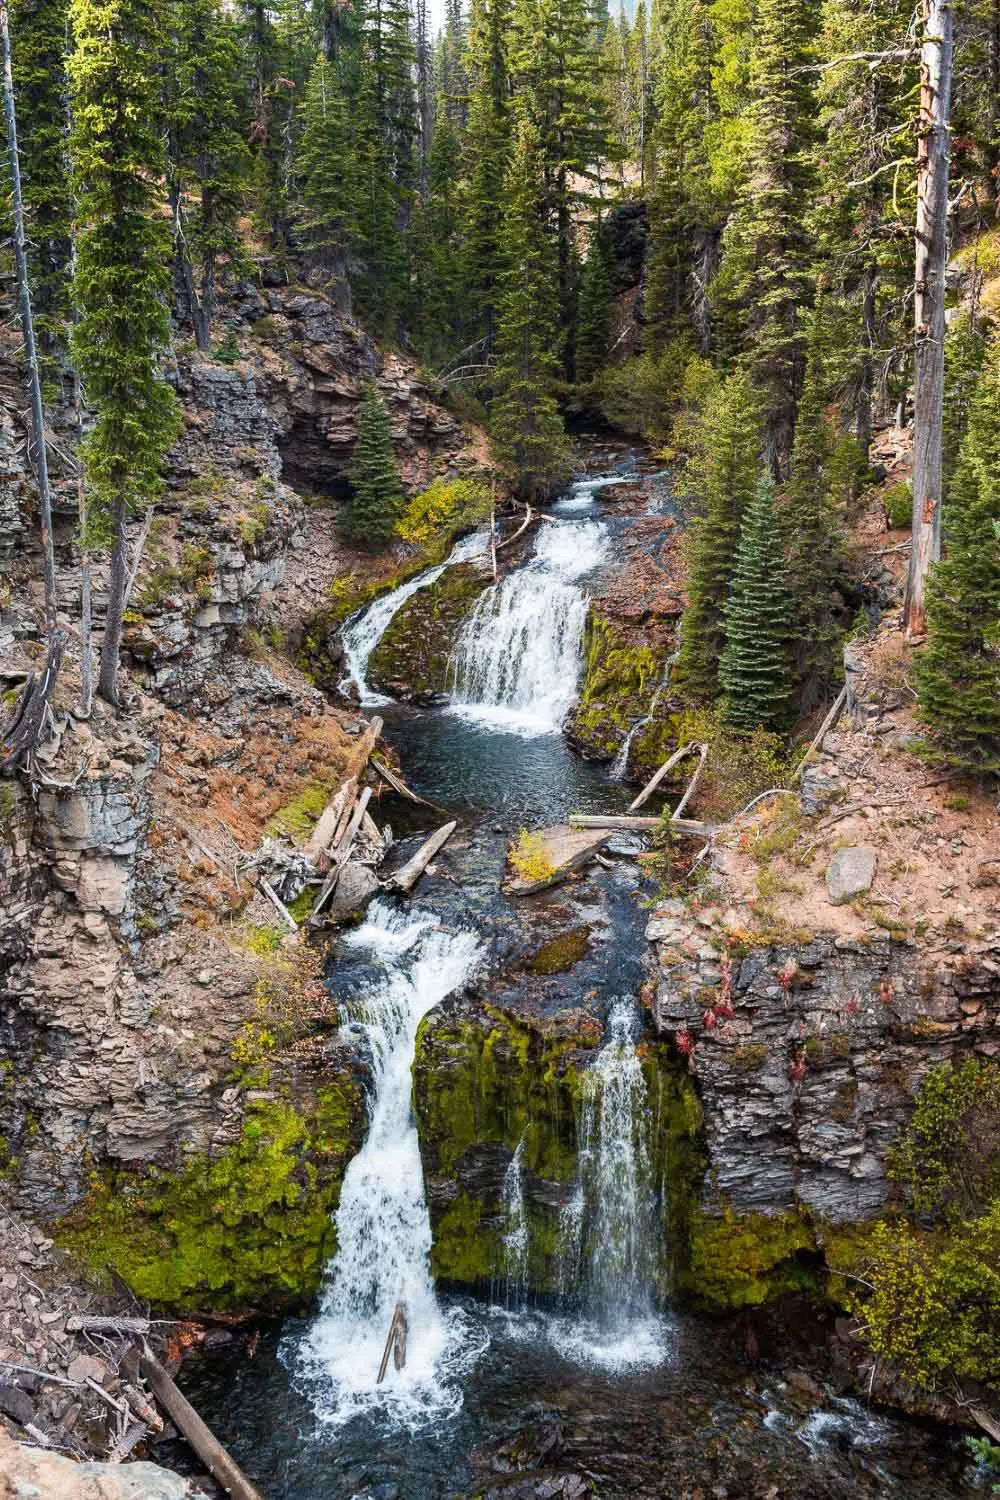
{"x":700,"y":1424}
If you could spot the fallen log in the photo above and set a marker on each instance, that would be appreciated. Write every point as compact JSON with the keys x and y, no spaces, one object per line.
{"x":343,"y":853}
{"x":824,"y":729}
{"x":665,"y":769}
{"x":278,"y":904}
{"x":406,"y":878}
{"x":208,"y":1448}
{"x":395,"y":1343}
{"x":107,"y":1325}
{"x":330,"y":818}
{"x":692,"y":784}
{"x":528,"y":517}
{"x":399,"y":785}
{"x":678,"y":825}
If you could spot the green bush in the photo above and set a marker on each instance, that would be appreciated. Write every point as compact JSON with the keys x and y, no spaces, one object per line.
{"x":898,"y":502}
{"x":948,"y":1161}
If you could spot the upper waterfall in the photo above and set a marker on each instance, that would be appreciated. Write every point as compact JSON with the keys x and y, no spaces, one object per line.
{"x":518,"y":658}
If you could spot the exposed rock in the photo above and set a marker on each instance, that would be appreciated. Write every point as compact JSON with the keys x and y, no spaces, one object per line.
{"x":851,"y":873}
{"x":560,"y":851}
{"x":48,"y":1476}
{"x":355,"y":888}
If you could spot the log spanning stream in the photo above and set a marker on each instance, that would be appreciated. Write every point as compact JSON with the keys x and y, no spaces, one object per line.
{"x":599,"y":1389}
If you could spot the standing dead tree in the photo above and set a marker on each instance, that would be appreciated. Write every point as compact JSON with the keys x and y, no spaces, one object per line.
{"x":27,"y":726}
{"x":933,"y":163}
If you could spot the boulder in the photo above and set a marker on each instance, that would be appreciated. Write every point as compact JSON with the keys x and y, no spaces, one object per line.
{"x":49,"y":1476}
{"x":851,"y":873}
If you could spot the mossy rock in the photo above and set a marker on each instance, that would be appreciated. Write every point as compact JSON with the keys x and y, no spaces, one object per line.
{"x":561,"y":953}
{"x":484,"y":1080}
{"x":412,"y":659}
{"x":251,"y":1227}
{"x":620,"y":679}
{"x":743,"y":1260}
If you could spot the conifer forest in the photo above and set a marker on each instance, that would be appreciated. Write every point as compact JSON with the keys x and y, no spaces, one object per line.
{"x":500,"y":749}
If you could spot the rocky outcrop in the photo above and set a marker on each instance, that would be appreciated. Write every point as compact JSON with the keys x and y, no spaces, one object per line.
{"x":48,"y":1476}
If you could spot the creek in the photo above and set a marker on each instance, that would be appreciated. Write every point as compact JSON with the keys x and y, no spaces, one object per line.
{"x":599,"y":1388}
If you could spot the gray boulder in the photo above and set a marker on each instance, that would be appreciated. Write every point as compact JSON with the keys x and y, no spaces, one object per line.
{"x":851,"y":873}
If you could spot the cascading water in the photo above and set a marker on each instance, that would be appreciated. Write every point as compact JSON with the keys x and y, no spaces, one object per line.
{"x":363,"y":631}
{"x":515,"y":1237}
{"x":519,"y":655}
{"x":383,"y":1226}
{"x":619,"y":769}
{"x":608,"y":1242}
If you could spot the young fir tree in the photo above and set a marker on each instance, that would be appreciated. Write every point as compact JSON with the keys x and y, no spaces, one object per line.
{"x":121,"y":283}
{"x":486,"y":153}
{"x":756,"y":665}
{"x":958,"y":672}
{"x":438,"y":311}
{"x":596,"y":305}
{"x":208,"y":162}
{"x":765,"y":276}
{"x":38,"y":41}
{"x":327,"y":175}
{"x":723,"y":478}
{"x":683,"y":221}
{"x":555,"y":62}
{"x":525,"y":425}
{"x":808,"y":520}
{"x":376,"y":494}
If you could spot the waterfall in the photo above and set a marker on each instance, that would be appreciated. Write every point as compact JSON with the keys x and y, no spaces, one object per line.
{"x":383,"y":1226}
{"x":607,"y":1230}
{"x":515,"y":1238}
{"x":363,"y":631}
{"x":519,"y":655}
{"x":619,"y":769}
{"x":582,"y":492}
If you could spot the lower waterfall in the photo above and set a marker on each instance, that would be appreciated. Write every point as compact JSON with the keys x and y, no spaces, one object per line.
{"x":383,"y":1227}
{"x":518,"y":658}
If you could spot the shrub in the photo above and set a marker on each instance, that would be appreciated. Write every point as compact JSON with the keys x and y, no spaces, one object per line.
{"x":529,"y":859}
{"x":438,"y":513}
{"x":948,"y":1160}
{"x":898,"y":503}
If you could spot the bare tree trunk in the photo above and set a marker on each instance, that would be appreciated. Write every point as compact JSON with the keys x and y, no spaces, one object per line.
{"x":111,"y":650}
{"x":28,"y":330}
{"x":934,"y":154}
{"x":86,"y":592}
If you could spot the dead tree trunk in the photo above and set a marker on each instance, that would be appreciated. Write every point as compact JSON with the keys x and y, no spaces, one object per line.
{"x":933,"y":158}
{"x":28,"y":330}
{"x":107,"y":684}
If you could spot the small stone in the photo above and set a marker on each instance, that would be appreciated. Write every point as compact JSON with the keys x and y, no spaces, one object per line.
{"x":16,"y":1404}
{"x":86,"y":1365}
{"x":851,"y":873}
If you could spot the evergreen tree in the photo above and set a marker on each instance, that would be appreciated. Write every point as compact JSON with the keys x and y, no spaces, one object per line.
{"x":208,"y":162}
{"x":38,"y":42}
{"x":487,"y":149}
{"x":597,"y":299}
{"x":281,"y":46}
{"x":809,"y":522}
{"x":438,"y":297}
{"x":756,"y":665}
{"x":958,"y":672}
{"x":765,"y":277}
{"x":121,"y":283}
{"x":450,"y":64}
{"x":683,"y":218}
{"x":525,"y":424}
{"x":376,"y":494}
{"x":556,"y":67}
{"x":327,"y":175}
{"x":723,"y":479}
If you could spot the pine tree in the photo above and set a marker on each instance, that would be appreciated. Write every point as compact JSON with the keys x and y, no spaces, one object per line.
{"x":208,"y":163}
{"x":38,"y":42}
{"x":683,"y":218}
{"x":723,"y":478}
{"x":756,"y":665}
{"x":555,"y":63}
{"x":121,"y":283}
{"x":958,"y":672}
{"x":376,"y":495}
{"x":525,"y":425}
{"x":487,"y":150}
{"x":808,"y":519}
{"x":765,"y":278}
{"x":597,"y":297}
{"x":327,"y":175}
{"x":439,"y":303}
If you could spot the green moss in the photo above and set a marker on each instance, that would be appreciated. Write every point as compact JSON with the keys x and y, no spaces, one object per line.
{"x":301,"y":907}
{"x":297,"y":818}
{"x":749,"y":1058}
{"x":262,"y":939}
{"x":620,"y":678}
{"x":834,"y":1046}
{"x":414,"y":655}
{"x":742,"y":1260}
{"x":560,"y":953}
{"x":252,"y":1226}
{"x":466,"y":1250}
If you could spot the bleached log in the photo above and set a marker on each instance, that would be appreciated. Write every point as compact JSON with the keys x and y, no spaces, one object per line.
{"x":331,"y":818}
{"x":643,"y":825}
{"x":77,"y":1324}
{"x":278,"y":904}
{"x":665,"y":769}
{"x":824,"y":730}
{"x":399,"y":785}
{"x":692,"y":785}
{"x":529,"y":515}
{"x":342,"y":855}
{"x":406,"y":878}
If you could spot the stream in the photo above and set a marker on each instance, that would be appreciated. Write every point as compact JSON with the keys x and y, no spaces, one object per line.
{"x":602,"y":1391}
